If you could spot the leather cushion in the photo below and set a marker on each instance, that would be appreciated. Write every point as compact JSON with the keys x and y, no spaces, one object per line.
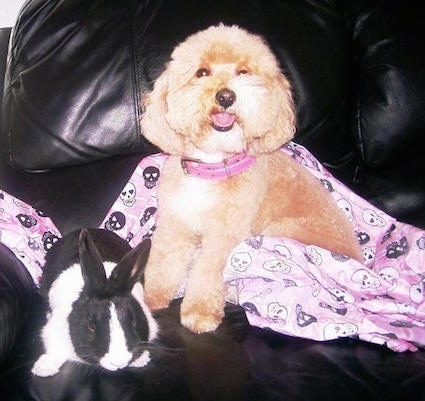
{"x":76,"y":73}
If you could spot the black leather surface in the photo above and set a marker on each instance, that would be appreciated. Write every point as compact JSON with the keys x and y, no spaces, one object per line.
{"x":75,"y":104}
{"x":388,"y":123}
{"x":16,"y":295}
{"x":237,"y":363}
{"x":4,"y":41}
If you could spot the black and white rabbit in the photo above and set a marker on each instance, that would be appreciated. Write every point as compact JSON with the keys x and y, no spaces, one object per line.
{"x":92,"y":281}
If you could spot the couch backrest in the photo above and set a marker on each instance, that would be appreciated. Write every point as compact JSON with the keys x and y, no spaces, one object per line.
{"x":387,"y":119}
{"x":76,"y":72}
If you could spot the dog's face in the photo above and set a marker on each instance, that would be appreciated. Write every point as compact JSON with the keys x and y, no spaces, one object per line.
{"x":221,"y":93}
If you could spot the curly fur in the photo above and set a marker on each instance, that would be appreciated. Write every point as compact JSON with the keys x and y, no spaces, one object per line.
{"x":202,"y":221}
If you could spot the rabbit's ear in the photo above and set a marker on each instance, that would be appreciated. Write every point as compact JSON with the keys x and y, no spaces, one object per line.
{"x":91,"y":263}
{"x":130,"y":268}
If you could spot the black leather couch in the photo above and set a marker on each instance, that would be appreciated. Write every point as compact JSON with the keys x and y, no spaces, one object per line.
{"x":70,"y":138}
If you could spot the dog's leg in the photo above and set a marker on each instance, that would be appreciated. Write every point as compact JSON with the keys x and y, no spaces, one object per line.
{"x":171,"y":254}
{"x":203,"y":304}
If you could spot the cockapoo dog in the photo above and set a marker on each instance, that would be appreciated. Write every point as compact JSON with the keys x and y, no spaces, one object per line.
{"x":221,"y":110}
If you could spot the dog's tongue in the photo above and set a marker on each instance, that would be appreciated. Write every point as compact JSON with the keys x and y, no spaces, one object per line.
{"x":223,"y":119}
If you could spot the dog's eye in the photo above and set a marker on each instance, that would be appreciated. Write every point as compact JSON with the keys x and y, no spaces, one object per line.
{"x":202,"y":72}
{"x":242,"y":71}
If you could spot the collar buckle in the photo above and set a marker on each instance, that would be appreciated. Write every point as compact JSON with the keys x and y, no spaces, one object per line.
{"x":185,"y":160}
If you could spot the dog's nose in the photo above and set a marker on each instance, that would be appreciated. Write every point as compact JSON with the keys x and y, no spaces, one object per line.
{"x":225,"y":97}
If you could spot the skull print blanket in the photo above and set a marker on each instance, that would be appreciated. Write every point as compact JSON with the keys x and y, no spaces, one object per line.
{"x":293,"y":288}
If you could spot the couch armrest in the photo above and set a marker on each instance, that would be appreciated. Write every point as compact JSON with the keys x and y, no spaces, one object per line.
{"x":17,"y":292}
{"x":4,"y":43}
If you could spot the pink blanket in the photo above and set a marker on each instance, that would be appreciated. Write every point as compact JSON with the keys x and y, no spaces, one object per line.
{"x":27,"y":233}
{"x":293,"y":288}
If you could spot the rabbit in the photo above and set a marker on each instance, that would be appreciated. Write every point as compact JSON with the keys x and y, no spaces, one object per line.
{"x":92,"y":284}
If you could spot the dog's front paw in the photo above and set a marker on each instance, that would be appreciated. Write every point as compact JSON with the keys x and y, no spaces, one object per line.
{"x":156,"y":300}
{"x":200,"y":320}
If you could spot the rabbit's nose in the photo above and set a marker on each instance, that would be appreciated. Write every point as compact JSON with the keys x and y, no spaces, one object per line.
{"x":116,"y":360}
{"x":225,"y":97}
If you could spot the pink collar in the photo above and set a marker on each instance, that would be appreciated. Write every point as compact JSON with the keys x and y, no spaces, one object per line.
{"x":217,"y":171}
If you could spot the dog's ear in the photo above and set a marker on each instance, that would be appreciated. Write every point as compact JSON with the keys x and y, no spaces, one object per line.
{"x":154,"y":118}
{"x":284,"y":117}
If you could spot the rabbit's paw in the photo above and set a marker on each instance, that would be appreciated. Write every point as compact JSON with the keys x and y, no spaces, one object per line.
{"x":142,"y":360}
{"x":46,"y":365}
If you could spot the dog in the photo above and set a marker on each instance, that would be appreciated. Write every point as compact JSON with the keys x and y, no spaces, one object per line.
{"x":221,"y":110}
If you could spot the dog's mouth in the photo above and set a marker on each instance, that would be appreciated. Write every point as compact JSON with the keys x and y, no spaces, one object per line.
{"x":223,"y":121}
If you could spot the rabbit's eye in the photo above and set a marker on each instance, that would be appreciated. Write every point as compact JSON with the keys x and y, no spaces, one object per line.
{"x":91,"y":325}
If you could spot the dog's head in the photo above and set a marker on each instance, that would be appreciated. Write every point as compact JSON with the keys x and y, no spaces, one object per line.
{"x":221,"y":93}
